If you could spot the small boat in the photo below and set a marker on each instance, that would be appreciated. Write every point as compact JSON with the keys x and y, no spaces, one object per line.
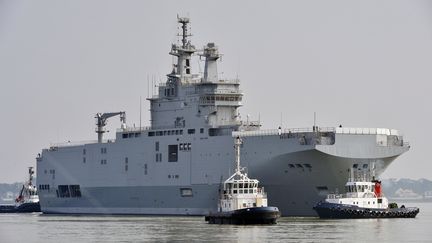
{"x":241,"y":200}
{"x":363,"y":199}
{"x":27,"y":201}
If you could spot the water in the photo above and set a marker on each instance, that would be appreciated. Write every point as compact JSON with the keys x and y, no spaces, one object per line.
{"x":52,"y":228}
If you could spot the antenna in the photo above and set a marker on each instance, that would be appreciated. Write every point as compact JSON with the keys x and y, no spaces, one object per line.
{"x":140,"y":112}
{"x":148,"y":86}
{"x":184,"y":21}
{"x":314,"y":124}
{"x":281,"y":119}
{"x":314,"y":118}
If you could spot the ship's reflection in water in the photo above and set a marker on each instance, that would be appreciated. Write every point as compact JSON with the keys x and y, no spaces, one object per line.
{"x":59,"y":228}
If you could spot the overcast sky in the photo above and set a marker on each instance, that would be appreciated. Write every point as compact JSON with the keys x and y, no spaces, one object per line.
{"x":356,"y":63}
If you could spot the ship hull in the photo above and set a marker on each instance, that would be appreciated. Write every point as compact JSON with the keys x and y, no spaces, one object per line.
{"x":256,"y":215}
{"x":295,"y":175}
{"x":22,"y":208}
{"x":327,"y":210}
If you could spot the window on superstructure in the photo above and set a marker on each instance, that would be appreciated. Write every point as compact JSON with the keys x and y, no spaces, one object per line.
{"x":158,"y":157}
{"x":84,"y":160}
{"x":126,"y":162}
{"x":201,"y":130}
{"x":157,"y":146}
{"x":191,"y":131}
{"x":84,"y":151}
{"x":145,"y":169}
{"x":187,"y":62}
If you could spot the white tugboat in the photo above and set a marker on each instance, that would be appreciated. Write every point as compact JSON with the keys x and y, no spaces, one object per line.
{"x":28,"y":199}
{"x":241,"y":200}
{"x":363,"y":199}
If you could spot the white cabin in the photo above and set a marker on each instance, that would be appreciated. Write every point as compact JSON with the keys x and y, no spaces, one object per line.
{"x":361,"y":192}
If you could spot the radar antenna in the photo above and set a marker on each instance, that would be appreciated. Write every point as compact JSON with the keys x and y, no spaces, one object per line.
{"x":101,"y":122}
{"x":184,"y":21}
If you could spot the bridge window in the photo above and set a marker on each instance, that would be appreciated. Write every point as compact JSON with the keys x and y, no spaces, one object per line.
{"x":191,"y":131}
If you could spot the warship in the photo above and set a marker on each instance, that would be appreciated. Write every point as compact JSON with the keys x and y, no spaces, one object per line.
{"x":176,"y":165}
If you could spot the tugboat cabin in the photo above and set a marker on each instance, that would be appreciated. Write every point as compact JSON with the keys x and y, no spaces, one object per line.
{"x":362,"y":192}
{"x":242,"y":193}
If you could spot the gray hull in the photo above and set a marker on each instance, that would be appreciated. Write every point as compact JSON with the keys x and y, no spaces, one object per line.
{"x":296,"y":176}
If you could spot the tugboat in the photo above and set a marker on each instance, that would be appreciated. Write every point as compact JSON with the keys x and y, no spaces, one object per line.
{"x":241,"y":200}
{"x":27,"y":201}
{"x":363,"y":199}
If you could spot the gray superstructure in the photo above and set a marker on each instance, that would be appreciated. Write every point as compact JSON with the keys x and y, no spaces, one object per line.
{"x":176,"y":165}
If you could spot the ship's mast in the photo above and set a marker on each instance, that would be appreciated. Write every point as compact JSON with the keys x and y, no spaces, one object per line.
{"x":237,"y":144}
{"x":184,"y":22}
{"x":183,"y":53}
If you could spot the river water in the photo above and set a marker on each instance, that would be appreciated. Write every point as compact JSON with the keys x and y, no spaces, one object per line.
{"x":59,"y":228}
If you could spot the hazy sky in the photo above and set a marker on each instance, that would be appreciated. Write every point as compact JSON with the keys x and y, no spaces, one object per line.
{"x":356,"y":63}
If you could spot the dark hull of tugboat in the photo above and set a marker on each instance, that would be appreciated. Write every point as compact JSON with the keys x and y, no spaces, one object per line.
{"x":23,"y":208}
{"x":340,"y":211}
{"x":257,"y":215}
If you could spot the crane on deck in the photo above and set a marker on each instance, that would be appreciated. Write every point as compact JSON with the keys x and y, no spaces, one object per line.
{"x":101,"y":122}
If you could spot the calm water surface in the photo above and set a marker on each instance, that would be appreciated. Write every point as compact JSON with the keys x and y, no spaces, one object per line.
{"x":42,"y":228}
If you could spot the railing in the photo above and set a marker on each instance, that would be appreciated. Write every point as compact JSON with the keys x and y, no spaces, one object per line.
{"x":339,"y":130}
{"x":78,"y":143}
{"x":359,"y":195}
{"x":134,"y":129}
{"x":367,"y":131}
{"x":270,"y":132}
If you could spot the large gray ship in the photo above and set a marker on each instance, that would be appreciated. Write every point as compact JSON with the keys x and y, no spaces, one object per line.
{"x":176,"y":166}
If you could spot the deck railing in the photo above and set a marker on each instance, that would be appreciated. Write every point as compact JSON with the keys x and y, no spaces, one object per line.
{"x":338,"y":130}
